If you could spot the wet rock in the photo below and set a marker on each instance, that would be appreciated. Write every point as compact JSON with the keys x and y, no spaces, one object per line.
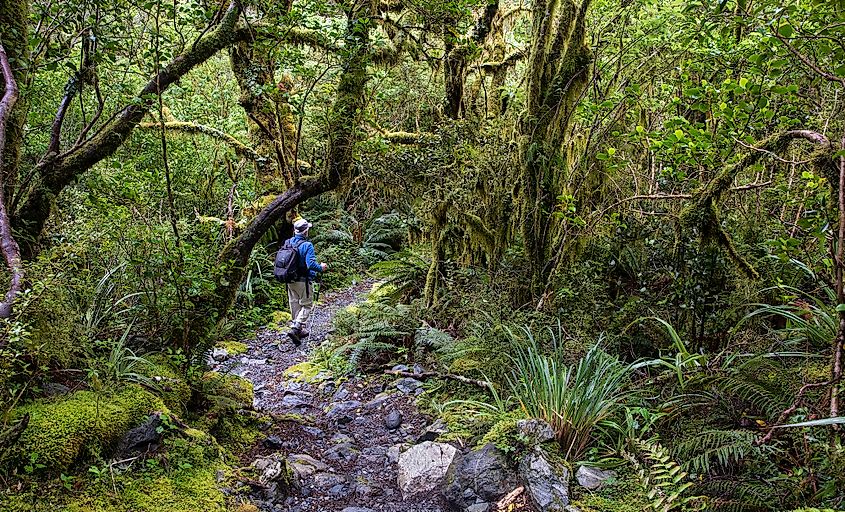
{"x":273,"y":442}
{"x":407,"y":385}
{"x":593,"y":478}
{"x":480,"y":476}
{"x":375,"y":454}
{"x":54,"y":389}
{"x":433,"y":431}
{"x":340,"y":395}
{"x":303,"y":466}
{"x":293,"y":401}
{"x":339,"y":491}
{"x":394,"y":451}
{"x":340,"y":438}
{"x":400,"y":368}
{"x":357,"y":509}
{"x":343,"y":412}
{"x":341,"y":451}
{"x":270,"y":468}
{"x":423,"y":467}
{"x":377,"y":401}
{"x":393,"y":420}
{"x":219,"y":354}
{"x":326,"y":481}
{"x":314,"y":431}
{"x":418,"y":369}
{"x":535,"y":431}
{"x":142,"y":437}
{"x":548,"y":485}
{"x":478,"y":507}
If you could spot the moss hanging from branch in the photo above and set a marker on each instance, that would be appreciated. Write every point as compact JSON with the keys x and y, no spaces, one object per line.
{"x":701,"y":215}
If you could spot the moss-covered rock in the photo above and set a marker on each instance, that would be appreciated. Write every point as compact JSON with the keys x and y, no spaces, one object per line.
{"x":229,"y":386}
{"x":234,"y":348}
{"x":60,"y":430}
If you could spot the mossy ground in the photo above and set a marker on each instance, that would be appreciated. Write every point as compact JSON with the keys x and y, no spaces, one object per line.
{"x":61,"y":430}
{"x":182,"y":477}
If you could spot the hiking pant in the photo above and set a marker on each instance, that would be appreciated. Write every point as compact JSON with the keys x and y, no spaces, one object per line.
{"x":300,"y":298}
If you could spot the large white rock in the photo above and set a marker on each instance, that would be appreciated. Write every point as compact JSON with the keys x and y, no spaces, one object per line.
{"x":423,"y":467}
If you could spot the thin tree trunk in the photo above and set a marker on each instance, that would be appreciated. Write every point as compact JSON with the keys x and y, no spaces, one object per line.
{"x":8,"y":245}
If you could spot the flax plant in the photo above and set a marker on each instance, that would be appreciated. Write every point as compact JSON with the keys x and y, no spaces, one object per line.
{"x":572,"y":399}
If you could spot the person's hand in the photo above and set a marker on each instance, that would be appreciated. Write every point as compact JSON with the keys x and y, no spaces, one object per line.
{"x":325,"y":267}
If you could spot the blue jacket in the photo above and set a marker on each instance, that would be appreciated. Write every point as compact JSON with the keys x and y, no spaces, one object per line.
{"x":307,"y":256}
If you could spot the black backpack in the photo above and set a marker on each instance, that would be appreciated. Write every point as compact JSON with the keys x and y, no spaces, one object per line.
{"x":288,"y":267}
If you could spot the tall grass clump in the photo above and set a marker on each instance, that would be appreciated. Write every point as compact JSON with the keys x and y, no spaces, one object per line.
{"x":573,"y":399}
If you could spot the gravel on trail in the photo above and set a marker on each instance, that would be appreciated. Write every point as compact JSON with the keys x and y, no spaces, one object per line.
{"x":343,"y":436}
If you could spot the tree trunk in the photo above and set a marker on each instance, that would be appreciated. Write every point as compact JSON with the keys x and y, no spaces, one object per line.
{"x":558,"y":74}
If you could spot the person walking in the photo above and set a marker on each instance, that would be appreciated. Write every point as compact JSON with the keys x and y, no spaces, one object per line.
{"x":296,"y":264}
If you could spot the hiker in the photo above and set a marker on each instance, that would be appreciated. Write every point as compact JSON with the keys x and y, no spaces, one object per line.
{"x":296,"y":264}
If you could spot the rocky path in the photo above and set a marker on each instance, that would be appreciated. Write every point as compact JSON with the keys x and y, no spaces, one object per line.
{"x":341,"y":438}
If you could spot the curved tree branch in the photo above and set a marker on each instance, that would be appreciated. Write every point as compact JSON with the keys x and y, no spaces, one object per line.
{"x":8,"y":245}
{"x":240,"y":149}
{"x":58,"y":171}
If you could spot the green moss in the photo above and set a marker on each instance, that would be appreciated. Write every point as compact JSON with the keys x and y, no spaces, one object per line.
{"x":595,"y":503}
{"x":174,"y":390}
{"x":229,"y":386}
{"x":503,"y":434}
{"x":280,"y":319}
{"x":181,"y":477}
{"x":234,"y":348}
{"x":60,"y":430}
{"x":305,"y":371}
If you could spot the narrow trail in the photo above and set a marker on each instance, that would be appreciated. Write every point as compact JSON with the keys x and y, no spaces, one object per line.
{"x":336,"y":438}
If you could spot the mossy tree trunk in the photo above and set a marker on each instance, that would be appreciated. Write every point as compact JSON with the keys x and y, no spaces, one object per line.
{"x":14,"y":35}
{"x":558,"y":74}
{"x":264,"y":99}
{"x":457,"y":51}
{"x":56,"y":171}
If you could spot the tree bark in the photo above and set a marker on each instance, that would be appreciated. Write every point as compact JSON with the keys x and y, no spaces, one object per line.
{"x":8,"y":245}
{"x":558,"y":74}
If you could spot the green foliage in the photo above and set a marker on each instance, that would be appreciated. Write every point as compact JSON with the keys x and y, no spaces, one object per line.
{"x":374,"y":331}
{"x":572,"y":399}
{"x":665,"y":483}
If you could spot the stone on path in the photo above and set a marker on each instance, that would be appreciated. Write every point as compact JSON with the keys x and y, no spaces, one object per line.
{"x":593,"y":478}
{"x":547,"y":485}
{"x":423,"y":467}
{"x":357,"y":509}
{"x":407,"y":385}
{"x":393,"y":420}
{"x":433,"y":431}
{"x":303,"y":466}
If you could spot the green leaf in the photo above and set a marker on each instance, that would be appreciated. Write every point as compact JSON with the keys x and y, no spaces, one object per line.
{"x":786,"y":30}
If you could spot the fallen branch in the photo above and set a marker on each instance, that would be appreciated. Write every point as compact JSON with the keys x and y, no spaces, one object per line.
{"x":450,"y":376}
{"x":8,"y":244}
{"x":509,"y":498}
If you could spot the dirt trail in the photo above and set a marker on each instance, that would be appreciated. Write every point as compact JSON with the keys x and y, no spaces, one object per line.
{"x":345,"y":453}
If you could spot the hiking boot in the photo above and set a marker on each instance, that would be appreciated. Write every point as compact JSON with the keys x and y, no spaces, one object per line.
{"x":294,"y":336}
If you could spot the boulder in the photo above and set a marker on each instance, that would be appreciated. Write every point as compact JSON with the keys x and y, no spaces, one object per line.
{"x":535,"y":431}
{"x":482,"y":475}
{"x":219,"y":354}
{"x":593,"y":478}
{"x":547,"y":484}
{"x":423,"y":467}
